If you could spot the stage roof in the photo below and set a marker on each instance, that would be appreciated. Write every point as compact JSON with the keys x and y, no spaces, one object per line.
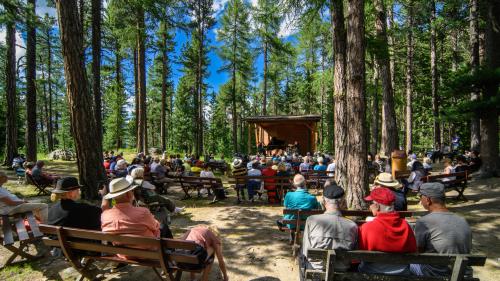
{"x":281,"y":118}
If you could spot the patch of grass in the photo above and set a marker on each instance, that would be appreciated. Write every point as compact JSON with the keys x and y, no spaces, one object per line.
{"x":21,"y":272}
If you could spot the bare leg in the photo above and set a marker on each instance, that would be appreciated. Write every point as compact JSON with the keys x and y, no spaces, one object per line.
{"x":206,"y":272}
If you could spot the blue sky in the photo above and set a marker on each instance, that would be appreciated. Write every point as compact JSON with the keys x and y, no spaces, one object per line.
{"x":215,"y":78}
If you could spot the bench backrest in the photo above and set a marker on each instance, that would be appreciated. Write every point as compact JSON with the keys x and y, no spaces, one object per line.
{"x":69,"y":239}
{"x":459,"y":177}
{"x":200,"y":181}
{"x":457,"y":262}
{"x":281,"y":181}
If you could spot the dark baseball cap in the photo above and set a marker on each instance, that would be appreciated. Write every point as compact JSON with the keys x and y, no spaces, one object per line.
{"x":432,"y":190}
{"x":333,"y":191}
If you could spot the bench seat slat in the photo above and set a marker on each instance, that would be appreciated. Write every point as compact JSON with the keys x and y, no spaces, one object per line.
{"x":396,"y":258}
{"x":8,"y":235}
{"x":355,"y":276}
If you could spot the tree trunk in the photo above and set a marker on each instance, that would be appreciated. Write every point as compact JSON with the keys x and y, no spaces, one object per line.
{"x":83,"y":129}
{"x":390,"y":41}
{"x":339,"y":83}
{"x":10,"y":89}
{"x":163,"y":89}
{"x":475,"y":135}
{"x":31,"y":145}
{"x":375,"y":114}
{"x":142,"y":136}
{"x":489,"y":117}
{"x":264,"y":101}
{"x":96,"y":66}
{"x":434,"y":77}
{"x":409,"y":79}
{"x":357,"y":173}
{"x":50,"y":138}
{"x":389,"y":129}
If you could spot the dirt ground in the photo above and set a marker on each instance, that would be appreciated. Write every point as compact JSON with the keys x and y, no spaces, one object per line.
{"x":253,"y":248}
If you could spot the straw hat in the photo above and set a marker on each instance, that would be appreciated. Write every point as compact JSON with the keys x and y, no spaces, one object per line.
{"x":237,"y":162}
{"x":386,"y":179}
{"x":119,"y":186}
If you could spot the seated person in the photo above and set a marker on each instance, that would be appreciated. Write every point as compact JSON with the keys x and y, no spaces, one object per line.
{"x":448,"y":169}
{"x":440,"y":231}
{"x":320,"y":166}
{"x":427,"y":165}
{"x":475,"y":161}
{"x":41,"y":177}
{"x":462,"y":165}
{"x":239,"y":170}
{"x":209,"y":244}
{"x":414,"y":180}
{"x":331,"y":168}
{"x":206,"y":172}
{"x":160,"y":173}
{"x":304,"y":166}
{"x":253,"y":185}
{"x":388,"y":232}
{"x":197,"y":168}
{"x":329,"y":230}
{"x":125,"y":218}
{"x":121,"y":168}
{"x":10,"y":204}
{"x":298,"y":199}
{"x":270,"y":184}
{"x":67,"y":212}
{"x":386,"y":180}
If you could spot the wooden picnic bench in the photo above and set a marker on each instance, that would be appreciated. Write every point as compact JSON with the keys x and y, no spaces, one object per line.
{"x":89,"y":246}
{"x":197,"y":183}
{"x":14,"y":230}
{"x":299,"y":221}
{"x":457,"y":262}
{"x":41,"y":188}
{"x":282,"y":183}
{"x":457,"y":182}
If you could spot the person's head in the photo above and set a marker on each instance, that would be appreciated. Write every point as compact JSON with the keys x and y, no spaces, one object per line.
{"x":66,"y":188}
{"x":281,"y":167}
{"x":417,"y":165}
{"x":386,"y":180}
{"x":163,"y":162}
{"x":333,"y":196}
{"x":321,"y":160}
{"x":427,"y":160}
{"x":237,"y":162}
{"x":299,"y":181}
{"x":137,"y":173}
{"x":3,"y":178}
{"x":382,"y":200}
{"x":306,"y":159}
{"x":122,"y":190}
{"x":461,"y":160}
{"x":447,"y":162}
{"x":156,"y":159}
{"x":121,"y":164}
{"x":255,"y":165}
{"x":40,"y":163}
{"x":432,"y":195}
{"x":283,"y":159}
{"x":205,"y":167}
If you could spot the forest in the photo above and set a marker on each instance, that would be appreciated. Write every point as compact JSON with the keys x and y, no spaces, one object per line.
{"x":93,"y":75}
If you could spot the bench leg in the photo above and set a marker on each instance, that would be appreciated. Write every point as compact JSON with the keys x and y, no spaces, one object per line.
{"x":178,"y":275}
{"x":84,"y":271}
{"x":19,"y":251}
{"x":460,"y":191}
{"x":158,"y":273}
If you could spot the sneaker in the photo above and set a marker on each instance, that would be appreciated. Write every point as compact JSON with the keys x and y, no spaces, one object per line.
{"x":179,"y":210}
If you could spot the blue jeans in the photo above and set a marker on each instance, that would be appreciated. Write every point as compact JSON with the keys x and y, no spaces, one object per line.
{"x":252,"y":186}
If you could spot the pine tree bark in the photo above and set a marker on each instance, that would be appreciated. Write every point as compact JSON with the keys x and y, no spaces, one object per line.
{"x":136,"y":100}
{"x":409,"y":78}
{"x":489,"y":117}
{"x":434,"y":77}
{"x":31,"y":143}
{"x":96,"y":66}
{"x":50,"y":138}
{"x":339,"y":83}
{"x":164,"y":58}
{"x":357,"y":173}
{"x":10,"y":88}
{"x":83,"y":126}
{"x":142,"y":135}
{"x":375,"y":114}
{"x":475,"y":134}
{"x":389,"y":129}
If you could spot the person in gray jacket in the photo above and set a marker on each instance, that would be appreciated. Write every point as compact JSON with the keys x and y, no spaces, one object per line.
{"x":329,"y":230}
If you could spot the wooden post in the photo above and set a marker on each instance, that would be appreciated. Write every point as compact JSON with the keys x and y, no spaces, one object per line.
{"x":249,"y":143}
{"x":330,"y":260}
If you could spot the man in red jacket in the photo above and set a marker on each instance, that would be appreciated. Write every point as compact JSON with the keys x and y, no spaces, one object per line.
{"x":387,"y":233}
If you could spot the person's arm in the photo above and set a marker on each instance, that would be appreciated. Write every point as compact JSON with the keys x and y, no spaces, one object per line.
{"x":220,"y":258}
{"x":10,"y":202}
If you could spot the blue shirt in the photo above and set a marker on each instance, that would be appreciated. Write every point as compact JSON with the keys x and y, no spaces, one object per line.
{"x":299,"y":199}
{"x":320,"y":167}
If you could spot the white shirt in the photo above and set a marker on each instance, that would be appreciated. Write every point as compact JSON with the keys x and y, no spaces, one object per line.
{"x":331,"y":168}
{"x":4,"y":193}
{"x":206,"y":174}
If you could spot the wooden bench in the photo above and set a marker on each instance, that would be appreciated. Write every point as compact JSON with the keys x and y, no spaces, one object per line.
{"x":197,"y":183}
{"x":217,"y":165}
{"x":458,"y":264}
{"x":301,"y":216}
{"x":399,"y":175}
{"x":317,"y":179}
{"x":89,"y":246}
{"x":458,"y":182}
{"x":41,"y":188}
{"x":13,"y":228}
{"x":282,"y":183}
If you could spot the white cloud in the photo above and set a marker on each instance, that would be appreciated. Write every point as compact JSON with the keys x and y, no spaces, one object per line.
{"x":42,"y":9}
{"x":288,"y":27}
{"x":218,"y":6}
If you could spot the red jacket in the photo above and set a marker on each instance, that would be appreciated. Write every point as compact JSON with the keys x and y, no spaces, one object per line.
{"x":269,"y":183}
{"x":387,"y":233}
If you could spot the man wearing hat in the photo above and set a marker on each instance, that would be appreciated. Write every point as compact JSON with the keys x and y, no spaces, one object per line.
{"x":329,"y":230}
{"x":388,"y":232}
{"x":440,"y":231}
{"x":239,"y":170}
{"x":67,"y":212}
{"x":125,"y":218}
{"x":386,"y":180}
{"x":298,"y":199}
